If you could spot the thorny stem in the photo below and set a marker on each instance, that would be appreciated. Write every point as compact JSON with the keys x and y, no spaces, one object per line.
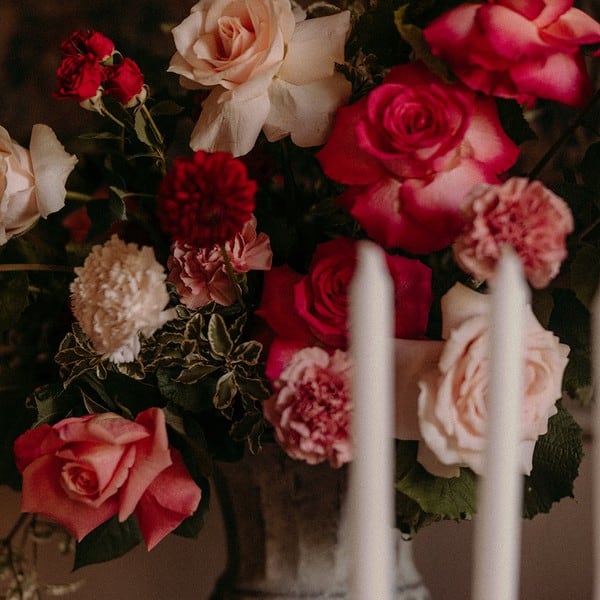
{"x":158,"y":147}
{"x":231,"y":275}
{"x":79,"y":196}
{"x":579,"y":119}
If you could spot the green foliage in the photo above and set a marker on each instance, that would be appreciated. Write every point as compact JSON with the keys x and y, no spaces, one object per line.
{"x":556,"y":461}
{"x":108,"y":541}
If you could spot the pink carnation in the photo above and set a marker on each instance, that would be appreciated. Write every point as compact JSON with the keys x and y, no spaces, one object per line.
{"x":311,"y":408}
{"x":200,"y":275}
{"x":523,"y":214}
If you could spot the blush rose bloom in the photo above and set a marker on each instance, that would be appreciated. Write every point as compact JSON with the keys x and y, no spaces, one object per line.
{"x":409,"y":151}
{"x":523,"y":214}
{"x":82,"y":471}
{"x":32,"y":182}
{"x":452,"y":403}
{"x":267,"y":70}
{"x":311,"y":408}
{"x":521,"y":50}
{"x":313,"y":308}
{"x":200,"y":275}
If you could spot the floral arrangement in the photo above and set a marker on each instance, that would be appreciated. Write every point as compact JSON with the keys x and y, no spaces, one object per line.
{"x":165,"y":305}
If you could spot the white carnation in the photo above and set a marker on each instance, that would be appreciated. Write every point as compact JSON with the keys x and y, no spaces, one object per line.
{"x":118,"y":293}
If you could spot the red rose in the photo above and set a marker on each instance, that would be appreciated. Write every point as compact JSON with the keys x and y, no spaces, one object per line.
{"x":521,"y":50}
{"x":79,"y":77}
{"x":82,"y":471}
{"x":205,"y":199}
{"x":313,"y":309}
{"x":86,"y":41}
{"x":125,"y":82}
{"x":410,"y":151}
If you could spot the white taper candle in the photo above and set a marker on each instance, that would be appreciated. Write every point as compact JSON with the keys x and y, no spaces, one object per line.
{"x":371,"y":486}
{"x":498,"y":521}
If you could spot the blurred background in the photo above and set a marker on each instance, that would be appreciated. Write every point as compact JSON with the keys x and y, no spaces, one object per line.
{"x":556,"y":559}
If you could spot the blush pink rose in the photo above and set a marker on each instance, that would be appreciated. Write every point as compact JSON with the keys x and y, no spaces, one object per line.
{"x":520,"y":213}
{"x":313,"y":308}
{"x":268,"y":68}
{"x":200,"y":275}
{"x":521,"y":50}
{"x":32,"y":182}
{"x":311,"y":408}
{"x":452,"y":404}
{"x":82,"y":471}
{"x":409,"y":151}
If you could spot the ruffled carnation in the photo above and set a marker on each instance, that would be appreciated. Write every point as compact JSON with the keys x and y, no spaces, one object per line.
{"x":523,"y":214}
{"x":119,"y":293}
{"x":205,"y":199}
{"x":200,"y":275}
{"x":311,"y":409}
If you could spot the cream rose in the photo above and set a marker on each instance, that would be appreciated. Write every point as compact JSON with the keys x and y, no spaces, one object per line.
{"x":266,"y":71}
{"x":32,"y":182}
{"x":452,"y":404}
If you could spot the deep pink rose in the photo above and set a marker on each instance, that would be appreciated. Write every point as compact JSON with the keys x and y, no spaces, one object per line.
{"x":409,"y":152}
{"x":311,"y":408}
{"x":125,"y":82}
{"x":523,"y":214}
{"x":82,"y":471}
{"x":313,"y":308}
{"x":515,"y":49}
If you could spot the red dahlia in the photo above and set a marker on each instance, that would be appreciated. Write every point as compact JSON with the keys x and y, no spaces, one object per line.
{"x":205,"y":199}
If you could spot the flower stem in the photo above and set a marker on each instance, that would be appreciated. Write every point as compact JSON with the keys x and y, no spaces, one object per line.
{"x":231,"y":275}
{"x":79,"y":196}
{"x":34,"y":267}
{"x":579,"y":119}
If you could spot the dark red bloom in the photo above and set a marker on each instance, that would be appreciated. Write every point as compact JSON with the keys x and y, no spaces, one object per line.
{"x":79,"y":77}
{"x":87,"y":41}
{"x":205,"y":199}
{"x":124,"y":80}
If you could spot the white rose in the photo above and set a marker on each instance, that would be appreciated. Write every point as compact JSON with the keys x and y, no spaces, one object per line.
{"x":452,"y":405}
{"x":32,"y":182}
{"x":266,"y":71}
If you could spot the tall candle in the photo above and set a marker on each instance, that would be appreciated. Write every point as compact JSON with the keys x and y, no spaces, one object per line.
{"x":498,"y":522}
{"x":371,"y":486}
{"x":595,"y":333}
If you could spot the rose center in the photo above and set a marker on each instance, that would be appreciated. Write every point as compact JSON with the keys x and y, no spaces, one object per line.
{"x":235,"y":37}
{"x":79,"y":480}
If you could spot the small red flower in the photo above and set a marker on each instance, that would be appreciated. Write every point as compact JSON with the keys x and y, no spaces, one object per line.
{"x":87,"y":41}
{"x":79,"y":77}
{"x":205,"y":199}
{"x":124,"y":81}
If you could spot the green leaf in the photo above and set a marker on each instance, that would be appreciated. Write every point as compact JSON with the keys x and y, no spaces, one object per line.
{"x":453,"y":498}
{"x":248,"y":352}
{"x":111,"y":540}
{"x":218,"y":336}
{"x":196,"y":372}
{"x":166,"y":107}
{"x":556,"y":460}
{"x":585,"y":273}
{"x":225,"y":392}
{"x":13,"y":297}
{"x":141,"y":129}
{"x":513,"y":121}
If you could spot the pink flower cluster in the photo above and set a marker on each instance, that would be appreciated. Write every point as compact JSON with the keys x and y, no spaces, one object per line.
{"x":200,"y":274}
{"x":92,"y":67}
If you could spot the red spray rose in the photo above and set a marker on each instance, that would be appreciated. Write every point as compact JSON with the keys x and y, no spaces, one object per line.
{"x":84,"y":470}
{"x":86,"y":42}
{"x":205,"y":199}
{"x":410,"y":151}
{"x":125,"y":82}
{"x":522,"y":50}
{"x":79,"y":77}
